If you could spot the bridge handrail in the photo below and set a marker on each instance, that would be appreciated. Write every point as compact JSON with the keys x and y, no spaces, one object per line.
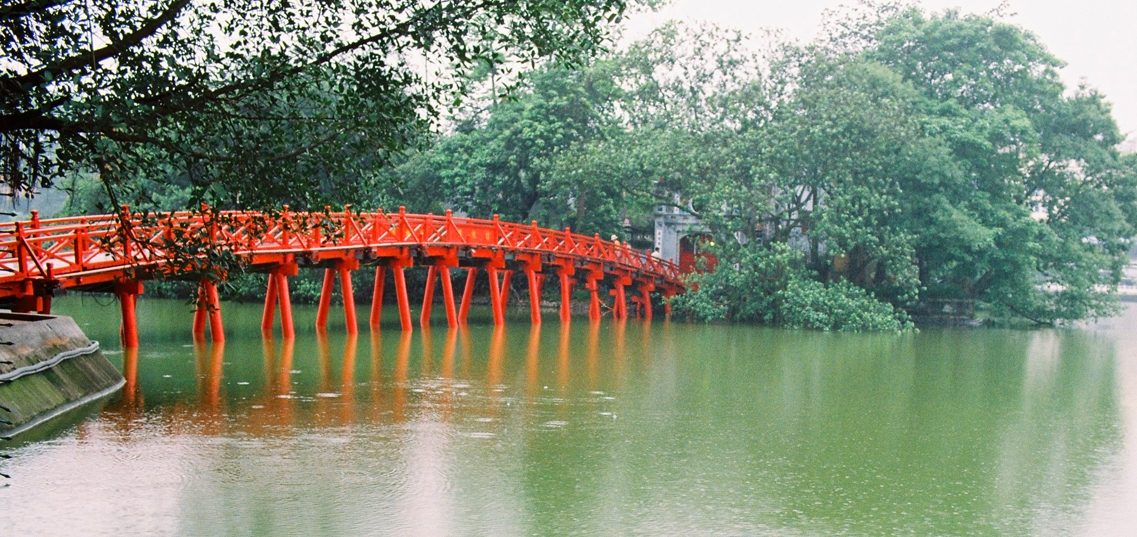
{"x":50,"y":248}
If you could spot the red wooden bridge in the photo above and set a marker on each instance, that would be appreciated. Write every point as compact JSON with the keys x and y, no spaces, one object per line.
{"x":116,"y":253}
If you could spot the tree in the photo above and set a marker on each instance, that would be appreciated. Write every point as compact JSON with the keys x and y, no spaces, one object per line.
{"x":496,"y":164}
{"x":592,"y":147}
{"x":1041,"y":193}
{"x":251,"y":102}
{"x":843,"y":152}
{"x":924,"y":156}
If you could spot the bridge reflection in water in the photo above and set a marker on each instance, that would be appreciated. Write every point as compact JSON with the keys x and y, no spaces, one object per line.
{"x":287,"y":394}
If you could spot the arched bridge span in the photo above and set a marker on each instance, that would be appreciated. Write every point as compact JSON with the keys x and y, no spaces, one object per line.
{"x":116,"y":253}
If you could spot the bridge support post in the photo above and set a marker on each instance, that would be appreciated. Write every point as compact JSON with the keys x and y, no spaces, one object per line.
{"x":342,"y":268}
{"x":401,"y":294}
{"x":325,"y":300}
{"x":667,"y":294}
{"x":448,"y":296}
{"x":534,"y":296}
{"x":428,"y":297}
{"x":442,"y":259}
{"x":645,"y":288}
{"x":208,"y":306}
{"x":352,"y":325}
{"x":496,"y":298}
{"x":377,"y":296}
{"x":567,"y":282}
{"x":531,"y":266}
{"x":127,"y":292}
{"x":287,"y":329}
{"x":593,"y":300}
{"x":269,"y":309}
{"x":276,"y":293}
{"x":620,"y":305}
{"x":645,"y":301}
{"x":506,"y":276}
{"x":467,"y":295}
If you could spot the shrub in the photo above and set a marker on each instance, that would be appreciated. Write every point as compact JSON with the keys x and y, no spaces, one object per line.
{"x":769,"y":285}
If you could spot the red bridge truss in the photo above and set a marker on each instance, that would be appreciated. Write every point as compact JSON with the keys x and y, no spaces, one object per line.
{"x":116,"y":253}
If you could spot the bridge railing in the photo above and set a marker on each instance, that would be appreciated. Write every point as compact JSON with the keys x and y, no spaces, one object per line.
{"x":50,"y":248}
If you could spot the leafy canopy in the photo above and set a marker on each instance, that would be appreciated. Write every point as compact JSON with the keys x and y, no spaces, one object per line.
{"x":249,"y":102}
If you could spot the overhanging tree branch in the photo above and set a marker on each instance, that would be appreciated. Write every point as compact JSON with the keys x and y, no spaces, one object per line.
{"x":15,"y":11}
{"x":133,"y":39}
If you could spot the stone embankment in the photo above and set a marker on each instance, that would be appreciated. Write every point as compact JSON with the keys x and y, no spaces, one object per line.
{"x":47,"y":368}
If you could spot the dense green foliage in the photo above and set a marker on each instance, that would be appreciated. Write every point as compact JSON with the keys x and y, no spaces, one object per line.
{"x":251,"y":103}
{"x":907,"y":156}
{"x":902,"y":158}
{"x":771,"y":285}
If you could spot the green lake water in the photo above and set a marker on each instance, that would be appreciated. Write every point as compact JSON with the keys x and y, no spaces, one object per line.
{"x":607,"y":429}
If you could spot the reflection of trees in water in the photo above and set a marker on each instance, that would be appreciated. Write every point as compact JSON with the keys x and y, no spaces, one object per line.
{"x":940,"y":432}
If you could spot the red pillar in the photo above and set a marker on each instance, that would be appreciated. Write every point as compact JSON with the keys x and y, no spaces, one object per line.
{"x":534,"y":296}
{"x":495,"y":298}
{"x":377,"y":296}
{"x":448,"y":297}
{"x":428,"y":297}
{"x":216,"y":327}
{"x":620,"y":308}
{"x":401,"y":295}
{"x":467,"y":295}
{"x":127,"y":292}
{"x":200,"y":312}
{"x":325,"y":300}
{"x":593,"y":301}
{"x":270,"y":305}
{"x":287,"y":329}
{"x":645,"y":301}
{"x":566,"y":296}
{"x":507,"y":275}
{"x":351,"y":325}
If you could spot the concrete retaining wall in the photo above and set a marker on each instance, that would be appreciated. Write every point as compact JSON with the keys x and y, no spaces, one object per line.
{"x":47,"y":367}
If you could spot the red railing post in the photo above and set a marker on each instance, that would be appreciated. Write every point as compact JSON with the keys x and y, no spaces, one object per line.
{"x":285,"y":227}
{"x":80,"y":246}
{"x":348,"y":224}
{"x":404,"y":225}
{"x":21,"y":251}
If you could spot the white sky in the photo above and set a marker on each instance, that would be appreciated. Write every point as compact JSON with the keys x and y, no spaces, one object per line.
{"x":1096,"y":38}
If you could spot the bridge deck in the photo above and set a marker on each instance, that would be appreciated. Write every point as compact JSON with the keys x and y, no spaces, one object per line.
{"x":108,"y":252}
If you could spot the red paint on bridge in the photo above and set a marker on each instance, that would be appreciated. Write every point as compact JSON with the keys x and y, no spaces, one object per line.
{"x":116,"y":253}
